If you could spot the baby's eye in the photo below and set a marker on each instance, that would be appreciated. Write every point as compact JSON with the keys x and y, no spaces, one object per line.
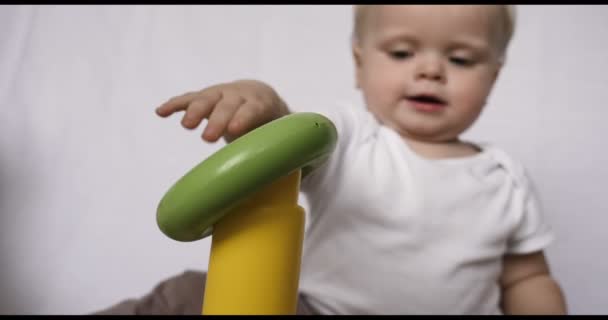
{"x":400,"y":54}
{"x":461,"y":61}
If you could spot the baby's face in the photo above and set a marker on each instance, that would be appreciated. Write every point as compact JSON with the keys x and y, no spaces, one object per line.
{"x":426,"y":71}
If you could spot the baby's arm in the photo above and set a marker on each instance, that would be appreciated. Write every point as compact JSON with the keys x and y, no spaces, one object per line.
{"x":232,"y":109}
{"x":528,"y":288}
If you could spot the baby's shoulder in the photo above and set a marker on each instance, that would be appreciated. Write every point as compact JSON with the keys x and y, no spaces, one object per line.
{"x":353,"y":121}
{"x":513,"y":167}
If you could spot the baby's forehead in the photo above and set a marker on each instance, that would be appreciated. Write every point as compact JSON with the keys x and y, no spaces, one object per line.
{"x":474,"y":17}
{"x":408,"y":13}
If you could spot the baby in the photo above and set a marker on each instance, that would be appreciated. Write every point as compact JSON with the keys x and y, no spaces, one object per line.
{"x":405,"y":217}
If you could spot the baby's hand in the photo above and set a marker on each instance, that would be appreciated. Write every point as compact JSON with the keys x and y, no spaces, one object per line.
{"x":232,"y":109}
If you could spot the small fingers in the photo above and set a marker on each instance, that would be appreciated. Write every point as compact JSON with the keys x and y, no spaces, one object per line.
{"x":177,"y":103}
{"x":249,"y":116}
{"x":200,"y":108}
{"x":221,"y":116}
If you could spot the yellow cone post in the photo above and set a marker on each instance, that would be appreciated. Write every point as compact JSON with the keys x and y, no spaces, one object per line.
{"x":256,"y":250}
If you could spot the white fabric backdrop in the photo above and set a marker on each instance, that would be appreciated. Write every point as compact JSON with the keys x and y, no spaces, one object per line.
{"x":84,"y":160}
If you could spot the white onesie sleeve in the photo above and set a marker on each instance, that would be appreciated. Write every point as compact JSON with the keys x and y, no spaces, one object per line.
{"x":532,"y":231}
{"x":345,"y":121}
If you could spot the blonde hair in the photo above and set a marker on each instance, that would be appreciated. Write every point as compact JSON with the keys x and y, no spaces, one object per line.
{"x":508,"y":14}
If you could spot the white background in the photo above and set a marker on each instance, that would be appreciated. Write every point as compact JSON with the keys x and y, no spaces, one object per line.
{"x":84,"y":160}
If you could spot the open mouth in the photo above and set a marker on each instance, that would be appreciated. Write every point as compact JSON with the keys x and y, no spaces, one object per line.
{"x":426,"y":99}
{"x":427,"y":103}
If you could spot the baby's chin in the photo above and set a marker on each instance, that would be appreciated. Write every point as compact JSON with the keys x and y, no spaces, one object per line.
{"x":436,"y":129}
{"x":424,"y":132}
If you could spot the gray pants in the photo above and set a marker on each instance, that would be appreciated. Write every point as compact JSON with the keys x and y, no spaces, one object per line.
{"x":179,"y":295}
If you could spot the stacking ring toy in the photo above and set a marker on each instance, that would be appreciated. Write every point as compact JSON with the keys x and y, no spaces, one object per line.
{"x":245,"y":196}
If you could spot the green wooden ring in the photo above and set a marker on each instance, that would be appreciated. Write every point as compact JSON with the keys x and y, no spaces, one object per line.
{"x":208,"y":191}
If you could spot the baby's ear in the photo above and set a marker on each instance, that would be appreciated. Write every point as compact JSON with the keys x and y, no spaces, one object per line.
{"x":497,"y":69}
{"x":499,"y":64}
{"x":356,"y":50}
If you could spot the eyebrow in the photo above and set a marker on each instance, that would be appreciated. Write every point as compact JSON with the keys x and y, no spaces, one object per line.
{"x":470,"y":42}
{"x":459,"y":42}
{"x":398,"y":36}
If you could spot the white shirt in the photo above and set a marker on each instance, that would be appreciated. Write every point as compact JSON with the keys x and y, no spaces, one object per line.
{"x":391,"y":232}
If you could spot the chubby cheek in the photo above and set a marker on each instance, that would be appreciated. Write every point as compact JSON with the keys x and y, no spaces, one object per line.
{"x":470,"y":97}
{"x":381,"y":90}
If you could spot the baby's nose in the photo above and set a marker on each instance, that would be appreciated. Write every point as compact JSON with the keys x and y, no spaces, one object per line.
{"x":430,"y":67}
